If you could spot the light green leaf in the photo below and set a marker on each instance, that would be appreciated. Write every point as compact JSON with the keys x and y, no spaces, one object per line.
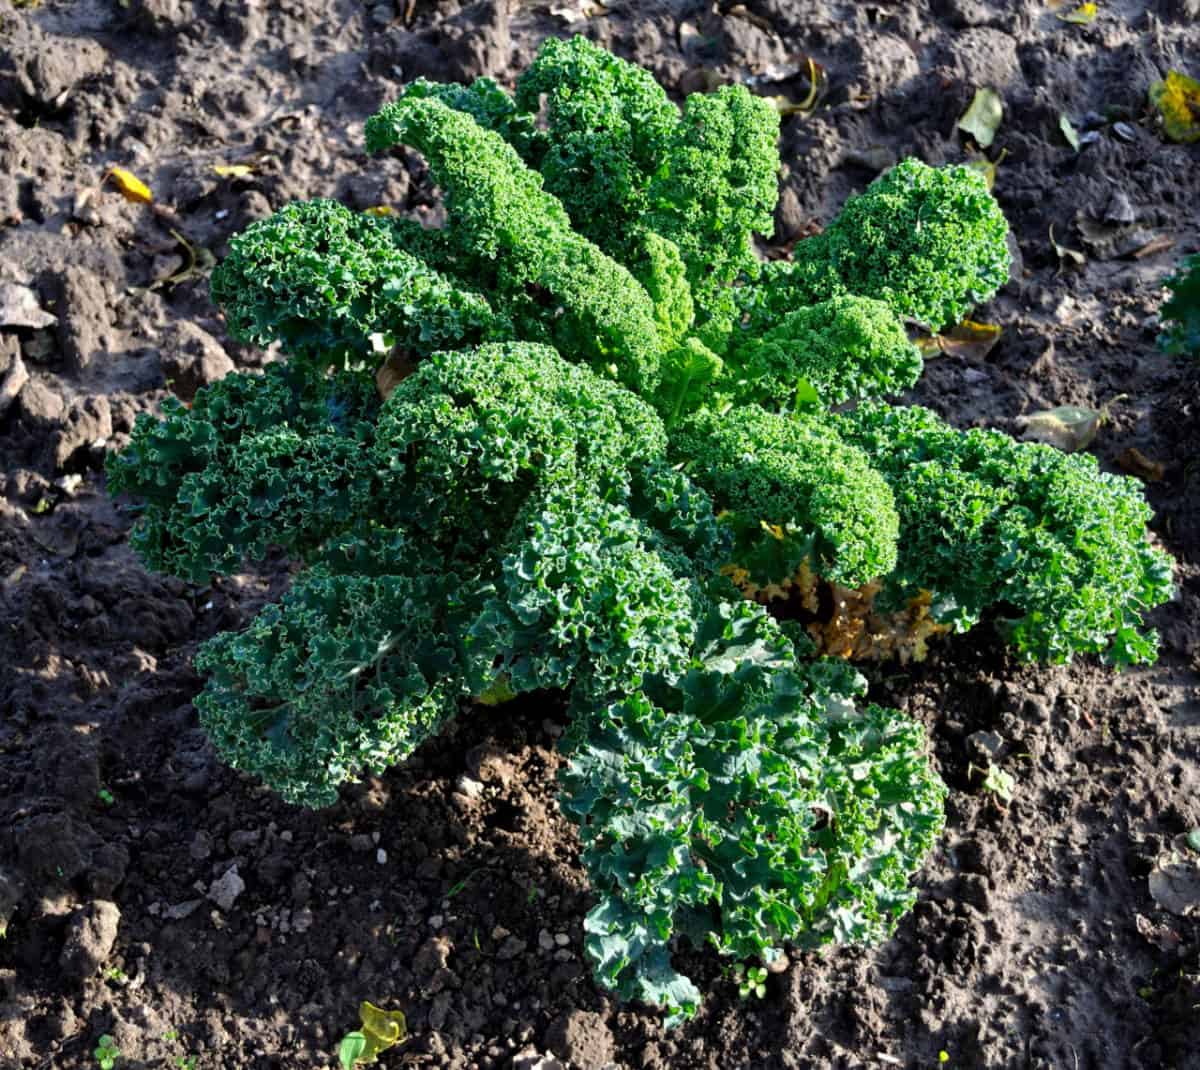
{"x":1068,"y":131}
{"x":982,"y":119}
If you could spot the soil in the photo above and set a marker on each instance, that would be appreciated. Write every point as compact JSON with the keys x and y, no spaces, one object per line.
{"x":156,"y":896}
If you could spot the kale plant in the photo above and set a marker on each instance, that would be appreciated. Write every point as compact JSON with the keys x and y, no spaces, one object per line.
{"x":608,"y":423}
{"x":1181,"y":313}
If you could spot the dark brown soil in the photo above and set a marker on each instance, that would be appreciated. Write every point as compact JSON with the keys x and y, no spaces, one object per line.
{"x":158,"y":897}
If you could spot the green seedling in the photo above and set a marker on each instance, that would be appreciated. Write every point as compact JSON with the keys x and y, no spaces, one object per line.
{"x":380,"y":1030}
{"x":995,"y":780}
{"x":105,"y":796}
{"x":750,"y":981}
{"x":106,"y":1053}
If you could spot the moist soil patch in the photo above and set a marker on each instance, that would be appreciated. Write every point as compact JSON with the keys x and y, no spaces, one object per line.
{"x":154,"y":895}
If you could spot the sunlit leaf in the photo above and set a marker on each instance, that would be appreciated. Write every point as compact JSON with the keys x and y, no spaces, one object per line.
{"x":818,"y":86}
{"x":578,"y":10}
{"x":1177,"y":98}
{"x":233,"y":170}
{"x":379,"y":210}
{"x":382,"y":1029}
{"x":1068,"y":131}
{"x":1067,"y":427}
{"x":1082,"y":15}
{"x":132,"y":188}
{"x":982,"y":119}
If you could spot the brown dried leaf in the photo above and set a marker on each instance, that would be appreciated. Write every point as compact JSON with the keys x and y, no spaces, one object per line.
{"x":1136,"y":463}
{"x":969,"y":339}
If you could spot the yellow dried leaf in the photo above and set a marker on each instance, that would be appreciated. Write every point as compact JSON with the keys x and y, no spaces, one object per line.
{"x":1081,"y":16}
{"x":986,"y":167}
{"x":132,"y":188}
{"x":233,"y":170}
{"x":1177,"y":98}
{"x":818,"y":86}
{"x":379,"y":209}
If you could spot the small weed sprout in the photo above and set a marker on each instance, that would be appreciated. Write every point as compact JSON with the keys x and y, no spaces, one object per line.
{"x":106,"y":1053}
{"x":995,"y":780}
{"x":750,"y":981}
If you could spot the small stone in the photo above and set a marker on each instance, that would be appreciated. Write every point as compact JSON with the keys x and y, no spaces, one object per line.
{"x":534,"y":1060}
{"x":545,"y":940}
{"x":19,"y":308}
{"x":361,"y":842}
{"x":226,"y":888}
{"x":90,"y":938}
{"x":985,"y":746}
{"x":182,"y":910}
{"x":562,"y":939}
{"x":511,"y":948}
{"x":1120,"y":209}
{"x":500,"y":932}
{"x":472,"y":789}
{"x":381,"y":856}
{"x":302,"y":920}
{"x":436,"y":921}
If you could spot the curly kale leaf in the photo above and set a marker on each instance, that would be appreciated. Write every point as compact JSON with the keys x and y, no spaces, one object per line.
{"x":929,"y":242}
{"x":608,"y":123}
{"x":716,"y":190}
{"x":746,"y":803}
{"x":582,"y":600}
{"x":987,"y":521}
{"x":488,"y":104}
{"x":276,"y":458}
{"x":846,"y":347}
{"x":348,"y":673}
{"x":551,"y":279}
{"x":322,"y":281}
{"x":790,"y":481}
{"x":463,"y":441}
{"x":1181,"y":313}
{"x":682,"y":523}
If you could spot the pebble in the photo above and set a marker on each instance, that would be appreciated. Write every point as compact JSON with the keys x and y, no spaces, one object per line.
{"x":545,"y":940}
{"x":472,"y":789}
{"x":381,"y":856}
{"x":511,"y":948}
{"x":226,"y":888}
{"x":435,"y":922}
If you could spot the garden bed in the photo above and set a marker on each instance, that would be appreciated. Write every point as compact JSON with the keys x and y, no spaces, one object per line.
{"x":246,"y":932}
